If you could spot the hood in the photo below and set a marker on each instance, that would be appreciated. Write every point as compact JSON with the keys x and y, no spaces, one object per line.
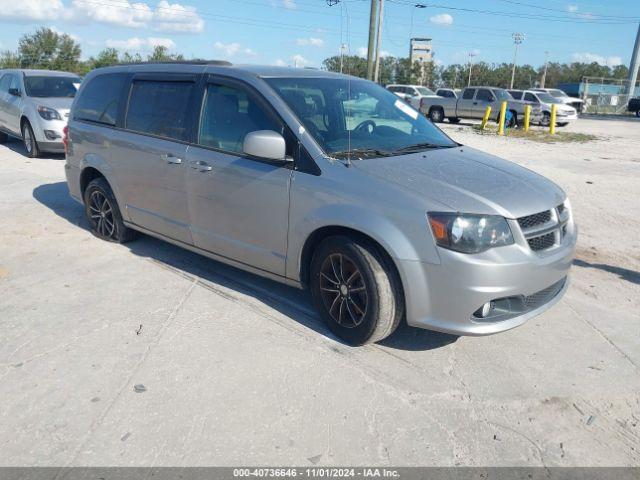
{"x":467,"y":180}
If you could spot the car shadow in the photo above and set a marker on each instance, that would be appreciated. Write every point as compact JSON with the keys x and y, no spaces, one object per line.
{"x":624,"y":273}
{"x":213,"y":275}
{"x":16,"y":145}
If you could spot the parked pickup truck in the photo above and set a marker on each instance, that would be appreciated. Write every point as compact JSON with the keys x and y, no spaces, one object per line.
{"x":473,"y":102}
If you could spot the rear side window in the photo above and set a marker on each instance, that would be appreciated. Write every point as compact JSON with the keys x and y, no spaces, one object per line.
{"x":4,"y":82}
{"x":160,"y":108}
{"x":529,"y":97}
{"x":99,"y":99}
{"x":228,"y":114}
{"x":468,"y":93}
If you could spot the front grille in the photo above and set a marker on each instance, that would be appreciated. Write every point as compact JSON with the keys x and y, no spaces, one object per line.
{"x":545,"y":230}
{"x":542,"y":242}
{"x":534,"y":220}
{"x":543,"y":296}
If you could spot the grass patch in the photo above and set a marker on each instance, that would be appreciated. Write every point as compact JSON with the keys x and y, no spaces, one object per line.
{"x":541,"y":136}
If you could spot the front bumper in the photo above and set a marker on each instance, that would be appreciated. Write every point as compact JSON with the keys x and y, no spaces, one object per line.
{"x":444,"y":296}
{"x":566,"y":118}
{"x":49,"y":134}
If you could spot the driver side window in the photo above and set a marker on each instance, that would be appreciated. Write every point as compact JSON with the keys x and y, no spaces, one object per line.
{"x":229,"y":113}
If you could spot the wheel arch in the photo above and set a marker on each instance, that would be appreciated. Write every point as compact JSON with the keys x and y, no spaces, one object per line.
{"x":87,"y":175}
{"x":320,"y":234}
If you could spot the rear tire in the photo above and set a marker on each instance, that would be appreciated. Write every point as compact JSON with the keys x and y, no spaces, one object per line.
{"x":637,"y":113}
{"x":3,"y":137}
{"x":29,"y":139}
{"x":101,"y":209}
{"x":355,"y":290}
{"x":436,"y":114}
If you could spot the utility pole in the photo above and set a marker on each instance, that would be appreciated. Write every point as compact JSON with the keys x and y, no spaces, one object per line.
{"x":342,"y":49}
{"x":544,"y":74}
{"x":471,"y":55}
{"x":376,"y":72}
{"x":372,"y":38}
{"x":633,"y":67}
{"x":517,"y":40}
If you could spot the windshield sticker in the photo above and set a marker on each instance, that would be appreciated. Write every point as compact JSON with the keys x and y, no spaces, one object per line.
{"x":406,"y":109}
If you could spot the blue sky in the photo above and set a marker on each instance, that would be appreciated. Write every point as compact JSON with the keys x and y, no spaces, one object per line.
{"x":304,"y":32}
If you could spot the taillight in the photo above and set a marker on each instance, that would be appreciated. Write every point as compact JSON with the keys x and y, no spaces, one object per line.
{"x":65,"y":138}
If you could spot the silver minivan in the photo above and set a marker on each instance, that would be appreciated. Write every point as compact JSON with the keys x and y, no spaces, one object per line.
{"x":34,"y":106}
{"x":320,"y":181}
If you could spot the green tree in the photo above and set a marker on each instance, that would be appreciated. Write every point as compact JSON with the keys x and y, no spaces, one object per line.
{"x":351,"y":65}
{"x":49,"y":50}
{"x":105,"y":58}
{"x":161,"y":54}
{"x":9,"y":59}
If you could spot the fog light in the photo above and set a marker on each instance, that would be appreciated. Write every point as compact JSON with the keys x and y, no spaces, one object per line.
{"x":51,"y":135}
{"x":484,"y":311}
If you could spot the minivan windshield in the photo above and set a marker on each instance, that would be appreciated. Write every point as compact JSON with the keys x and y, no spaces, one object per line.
{"x":546,"y":98}
{"x":357,"y":118}
{"x":51,"y":87}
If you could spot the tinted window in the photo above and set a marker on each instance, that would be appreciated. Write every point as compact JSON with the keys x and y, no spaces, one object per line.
{"x":4,"y":82}
{"x":484,"y":95}
{"x":160,"y":108}
{"x":468,"y":93}
{"x":228,"y":114}
{"x":393,"y":89}
{"x":445,"y":93}
{"x":344,"y":115}
{"x":530,"y":97}
{"x":516,"y":94}
{"x":99,"y":99}
{"x":51,"y":87}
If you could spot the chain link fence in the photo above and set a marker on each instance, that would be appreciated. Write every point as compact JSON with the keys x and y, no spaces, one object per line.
{"x":605,"y":95}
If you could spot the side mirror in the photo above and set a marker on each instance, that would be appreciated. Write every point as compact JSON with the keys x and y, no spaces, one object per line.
{"x":265,"y":144}
{"x":15,"y":92}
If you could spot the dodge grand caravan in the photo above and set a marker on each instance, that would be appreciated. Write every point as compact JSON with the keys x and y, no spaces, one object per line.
{"x":323,"y":181}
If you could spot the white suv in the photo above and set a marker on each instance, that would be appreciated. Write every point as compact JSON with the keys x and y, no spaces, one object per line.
{"x":34,"y":106}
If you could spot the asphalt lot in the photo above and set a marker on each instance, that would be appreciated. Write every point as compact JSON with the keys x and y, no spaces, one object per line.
{"x":239,"y":370}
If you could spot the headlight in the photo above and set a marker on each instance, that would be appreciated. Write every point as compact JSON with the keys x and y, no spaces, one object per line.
{"x":49,"y":113}
{"x":469,"y":233}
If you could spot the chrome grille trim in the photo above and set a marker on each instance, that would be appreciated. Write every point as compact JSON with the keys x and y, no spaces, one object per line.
{"x":545,"y":230}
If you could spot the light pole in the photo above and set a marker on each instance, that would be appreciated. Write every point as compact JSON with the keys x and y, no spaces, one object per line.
{"x":518,"y":38}
{"x":376,"y":66}
{"x":544,"y":74}
{"x":471,"y":55}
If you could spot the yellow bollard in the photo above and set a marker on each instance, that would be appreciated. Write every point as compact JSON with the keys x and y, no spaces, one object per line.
{"x":485,"y":119}
{"x":552,"y":123}
{"x":503,"y":114}
{"x":527,"y":117}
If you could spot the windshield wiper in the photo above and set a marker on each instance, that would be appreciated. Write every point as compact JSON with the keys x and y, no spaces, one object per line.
{"x":418,"y":147}
{"x":361,"y":152}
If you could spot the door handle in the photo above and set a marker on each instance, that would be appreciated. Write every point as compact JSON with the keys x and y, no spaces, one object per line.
{"x":475,"y":103}
{"x":171,"y":159}
{"x":201,"y":166}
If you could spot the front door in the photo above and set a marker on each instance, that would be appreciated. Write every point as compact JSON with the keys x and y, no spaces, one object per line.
{"x":13,"y":105}
{"x":149,"y":154}
{"x":239,"y":205}
{"x":484,"y":98}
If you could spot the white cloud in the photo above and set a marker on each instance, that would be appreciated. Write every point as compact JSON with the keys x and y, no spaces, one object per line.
{"x":138,"y":44}
{"x":177,"y":18}
{"x":442,"y":19}
{"x":166,"y":17}
{"x":299,"y":61}
{"x":229,"y":49}
{"x":311,"y":41}
{"x":290,"y":4}
{"x":572,"y":8}
{"x":250,"y":52}
{"x":362,"y":52}
{"x":27,"y":10}
{"x":586,"y":57}
{"x":280,"y":63}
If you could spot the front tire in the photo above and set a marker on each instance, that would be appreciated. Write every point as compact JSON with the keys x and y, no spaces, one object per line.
{"x":29,"y":139}
{"x":546,"y":119}
{"x":101,"y":209}
{"x":355,"y":290}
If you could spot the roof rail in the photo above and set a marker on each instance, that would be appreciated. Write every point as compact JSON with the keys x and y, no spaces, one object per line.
{"x":222,"y":63}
